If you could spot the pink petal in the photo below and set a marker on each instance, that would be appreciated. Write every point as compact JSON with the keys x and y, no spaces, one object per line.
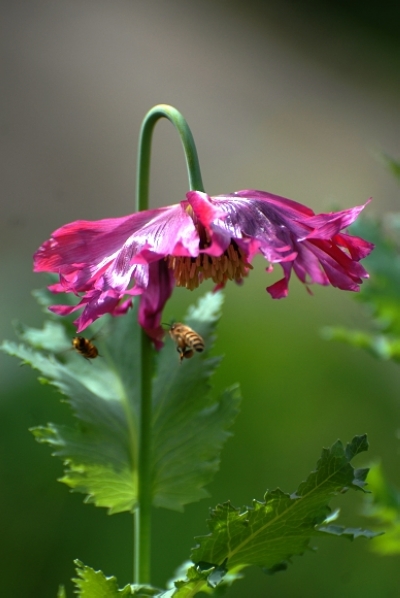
{"x":279,"y":289}
{"x":159,"y":290}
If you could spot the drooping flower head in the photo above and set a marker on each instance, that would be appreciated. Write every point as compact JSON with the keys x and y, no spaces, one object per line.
{"x":105,"y":262}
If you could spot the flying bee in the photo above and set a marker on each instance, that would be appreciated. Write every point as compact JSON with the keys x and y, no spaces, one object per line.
{"x":187,"y":340}
{"x":85,"y":347}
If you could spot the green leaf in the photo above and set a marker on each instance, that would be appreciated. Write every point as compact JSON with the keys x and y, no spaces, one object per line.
{"x":52,"y":337}
{"x":100,"y":450}
{"x":383,"y":506}
{"x":94,"y":584}
{"x":270,"y":532}
{"x":351,"y":533}
{"x":191,"y":579}
{"x":189,"y":423}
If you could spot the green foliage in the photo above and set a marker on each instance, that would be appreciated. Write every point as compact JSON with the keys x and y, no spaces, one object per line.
{"x":189,"y":427}
{"x":94,"y":584}
{"x":267,"y":534}
{"x":381,"y":293}
{"x":210,"y":580}
{"x":189,"y":424}
{"x":270,"y":532}
{"x":383,"y":506}
{"x":100,"y":451}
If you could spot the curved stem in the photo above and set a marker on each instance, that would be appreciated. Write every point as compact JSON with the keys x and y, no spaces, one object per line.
{"x":142,"y":521}
{"x":143,"y":170}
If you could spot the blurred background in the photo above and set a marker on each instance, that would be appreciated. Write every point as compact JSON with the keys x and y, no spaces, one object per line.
{"x":297,"y":98}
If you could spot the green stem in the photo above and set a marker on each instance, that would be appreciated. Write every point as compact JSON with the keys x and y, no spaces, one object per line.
{"x":143,"y":170}
{"x":142,"y":523}
{"x":142,"y":516}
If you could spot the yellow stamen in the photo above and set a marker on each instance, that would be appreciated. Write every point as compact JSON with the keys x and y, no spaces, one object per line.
{"x":190,"y":272}
{"x":193,"y":270}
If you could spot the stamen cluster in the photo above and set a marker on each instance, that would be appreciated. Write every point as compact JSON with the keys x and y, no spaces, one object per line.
{"x":189,"y":272}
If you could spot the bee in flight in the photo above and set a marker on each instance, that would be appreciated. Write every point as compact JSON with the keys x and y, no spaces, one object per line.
{"x":85,"y":347}
{"x":187,"y":340}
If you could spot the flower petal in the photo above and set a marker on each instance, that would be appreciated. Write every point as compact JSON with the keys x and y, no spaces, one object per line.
{"x":83,"y":250}
{"x":159,"y":289}
{"x":328,"y":225}
{"x":107,"y":262}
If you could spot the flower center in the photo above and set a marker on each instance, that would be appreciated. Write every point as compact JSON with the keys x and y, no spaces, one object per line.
{"x":189,"y":272}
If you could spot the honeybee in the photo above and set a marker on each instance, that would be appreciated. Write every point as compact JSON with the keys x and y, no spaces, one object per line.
{"x":186,"y":339}
{"x":85,"y":347}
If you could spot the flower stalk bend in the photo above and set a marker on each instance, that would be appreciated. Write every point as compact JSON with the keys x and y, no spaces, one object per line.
{"x":142,"y":515}
{"x":144,"y":151}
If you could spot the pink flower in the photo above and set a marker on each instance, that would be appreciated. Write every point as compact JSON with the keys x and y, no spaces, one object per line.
{"x":201,"y":237}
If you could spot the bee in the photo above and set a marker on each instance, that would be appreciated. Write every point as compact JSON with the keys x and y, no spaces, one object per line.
{"x":187,"y":340}
{"x":85,"y":347}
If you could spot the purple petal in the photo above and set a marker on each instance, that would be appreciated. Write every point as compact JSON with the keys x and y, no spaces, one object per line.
{"x":159,"y":290}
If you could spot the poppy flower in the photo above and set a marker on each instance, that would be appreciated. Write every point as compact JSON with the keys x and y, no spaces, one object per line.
{"x":148,"y":253}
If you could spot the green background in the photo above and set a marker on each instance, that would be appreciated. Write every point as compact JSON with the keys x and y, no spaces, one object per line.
{"x":299,"y":393}
{"x":297,"y":101}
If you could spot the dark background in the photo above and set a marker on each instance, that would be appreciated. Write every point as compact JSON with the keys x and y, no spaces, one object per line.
{"x":295,"y":98}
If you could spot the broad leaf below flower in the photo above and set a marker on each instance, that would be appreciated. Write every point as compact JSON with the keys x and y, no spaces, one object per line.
{"x":267,"y":534}
{"x":100,"y":450}
{"x":270,"y":532}
{"x":189,"y":423}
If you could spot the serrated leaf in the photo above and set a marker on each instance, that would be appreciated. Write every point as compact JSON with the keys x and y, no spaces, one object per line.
{"x":270,"y":532}
{"x":52,"y":337}
{"x":190,"y":580}
{"x":351,"y":533}
{"x":189,"y":424}
{"x":94,"y":584}
{"x":195,"y":581}
{"x":100,"y":452}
